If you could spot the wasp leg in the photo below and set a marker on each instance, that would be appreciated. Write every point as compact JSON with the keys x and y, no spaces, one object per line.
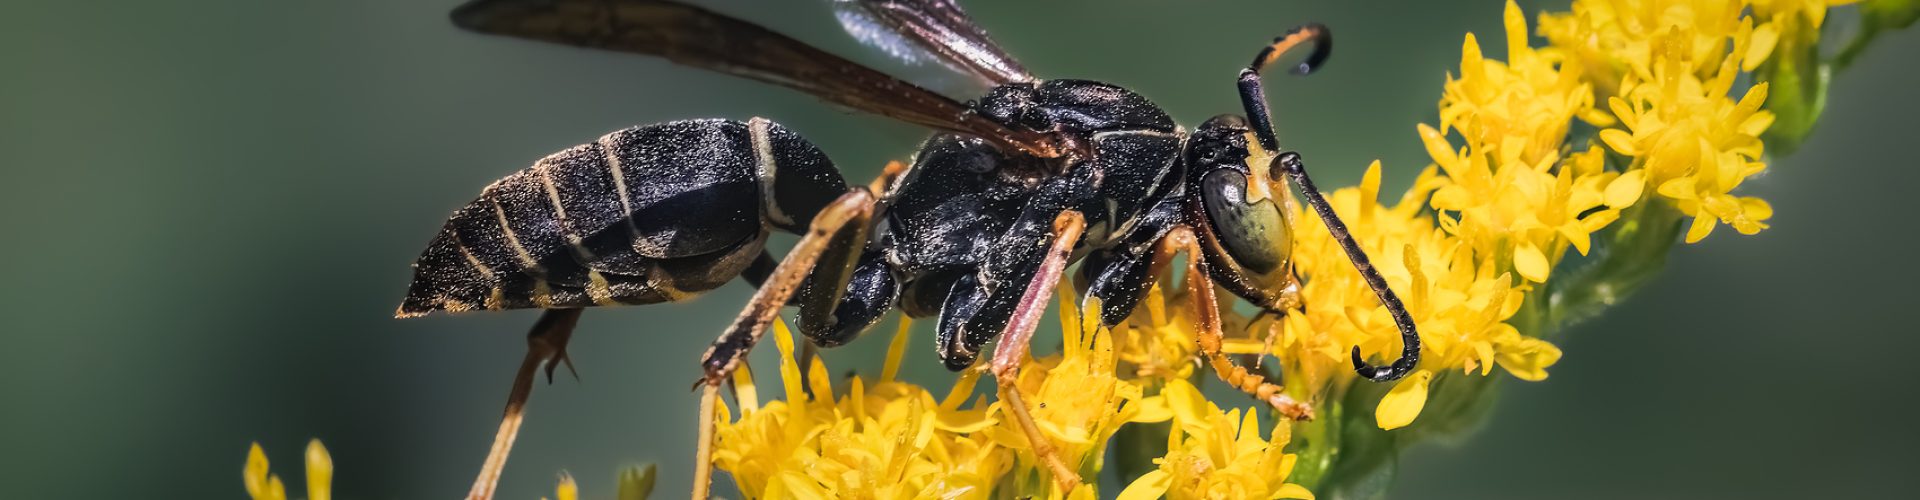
{"x":861,"y":299}
{"x":853,"y":285}
{"x":853,"y":209}
{"x":703,"y":452}
{"x":546,"y":345}
{"x":846,"y":220}
{"x":1013,"y":342}
{"x":1121,"y":275}
{"x":1207,"y":310}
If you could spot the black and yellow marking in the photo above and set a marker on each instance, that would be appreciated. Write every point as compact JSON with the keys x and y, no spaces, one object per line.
{"x":642,"y":215}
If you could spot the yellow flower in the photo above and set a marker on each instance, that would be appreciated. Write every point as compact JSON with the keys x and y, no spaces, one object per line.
{"x":1512,"y":192}
{"x":1506,"y":206}
{"x":1812,"y":12}
{"x":1616,"y":39}
{"x":1157,"y":342}
{"x":1216,"y":455}
{"x":566,"y":489}
{"x":1403,"y":403}
{"x":262,"y":485}
{"x":1677,"y":62}
{"x":1460,"y":297}
{"x":1079,"y":400}
{"x":893,"y":440}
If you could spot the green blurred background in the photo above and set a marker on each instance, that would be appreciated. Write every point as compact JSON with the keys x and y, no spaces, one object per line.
{"x":209,"y":208}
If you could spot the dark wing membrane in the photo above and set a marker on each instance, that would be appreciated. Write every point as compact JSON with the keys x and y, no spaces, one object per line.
{"x":700,"y":38}
{"x":937,"y":27}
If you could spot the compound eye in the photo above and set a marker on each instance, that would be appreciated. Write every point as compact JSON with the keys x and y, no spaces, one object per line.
{"x":1253,"y":234}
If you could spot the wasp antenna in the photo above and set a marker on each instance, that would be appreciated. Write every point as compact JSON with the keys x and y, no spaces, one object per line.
{"x":1318,"y":34}
{"x":1251,"y":94}
{"x":1289,"y":162}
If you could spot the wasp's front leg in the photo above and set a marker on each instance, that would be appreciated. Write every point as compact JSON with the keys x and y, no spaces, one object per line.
{"x":1207,"y":312}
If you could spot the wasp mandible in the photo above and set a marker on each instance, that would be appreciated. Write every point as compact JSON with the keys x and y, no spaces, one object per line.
{"x":977,"y":230}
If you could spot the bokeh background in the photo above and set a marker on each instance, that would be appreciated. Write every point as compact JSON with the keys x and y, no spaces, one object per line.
{"x":209,"y":207}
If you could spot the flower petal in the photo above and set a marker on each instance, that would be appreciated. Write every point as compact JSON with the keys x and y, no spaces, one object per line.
{"x":1527,"y":358}
{"x":1516,"y":24}
{"x":255,"y":475}
{"x":1626,"y":189}
{"x":319,"y":472}
{"x":1702,"y":224}
{"x":567,"y":489}
{"x":1619,"y":140}
{"x":1151,"y":409}
{"x":1295,"y":491}
{"x":1764,"y":38}
{"x":1149,"y":486}
{"x":1531,"y":262}
{"x":1404,"y":402}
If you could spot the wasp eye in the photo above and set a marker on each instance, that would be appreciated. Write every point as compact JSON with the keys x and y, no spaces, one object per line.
{"x":1252,"y":233}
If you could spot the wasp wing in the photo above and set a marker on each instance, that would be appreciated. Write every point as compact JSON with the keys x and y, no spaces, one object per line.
{"x":937,"y":29}
{"x":704,"y":39}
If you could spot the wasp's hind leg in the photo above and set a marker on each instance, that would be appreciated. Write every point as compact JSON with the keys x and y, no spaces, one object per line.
{"x":830,"y":247}
{"x":546,"y":345}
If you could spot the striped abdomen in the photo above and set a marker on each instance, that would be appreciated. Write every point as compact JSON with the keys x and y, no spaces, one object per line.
{"x":644,"y":215}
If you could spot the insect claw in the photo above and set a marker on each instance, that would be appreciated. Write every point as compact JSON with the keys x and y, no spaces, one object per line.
{"x":561,"y":358}
{"x":1291,"y":408}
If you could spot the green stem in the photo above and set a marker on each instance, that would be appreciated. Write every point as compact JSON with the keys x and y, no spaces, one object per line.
{"x":1631,"y":254}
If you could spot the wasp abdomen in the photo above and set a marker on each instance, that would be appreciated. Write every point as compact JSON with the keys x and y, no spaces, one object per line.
{"x":644,"y":215}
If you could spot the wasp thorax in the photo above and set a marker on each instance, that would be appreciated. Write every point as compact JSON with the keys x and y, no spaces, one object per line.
{"x":1071,"y":106}
{"x":1013,"y":104}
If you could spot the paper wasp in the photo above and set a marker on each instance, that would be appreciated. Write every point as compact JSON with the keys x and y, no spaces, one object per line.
{"x":978,"y":229}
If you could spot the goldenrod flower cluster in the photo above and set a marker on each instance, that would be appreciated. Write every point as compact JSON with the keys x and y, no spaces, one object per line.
{"x":1515,"y":184}
{"x":896,"y":440}
{"x":635,"y":483}
{"x":1632,"y":110}
{"x":1212,"y":454}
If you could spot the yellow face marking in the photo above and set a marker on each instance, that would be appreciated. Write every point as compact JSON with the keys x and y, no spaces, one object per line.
{"x":599,"y":289}
{"x":1260,"y":185}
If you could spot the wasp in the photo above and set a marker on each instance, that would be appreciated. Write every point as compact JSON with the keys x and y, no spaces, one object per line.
{"x":977,"y":230}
